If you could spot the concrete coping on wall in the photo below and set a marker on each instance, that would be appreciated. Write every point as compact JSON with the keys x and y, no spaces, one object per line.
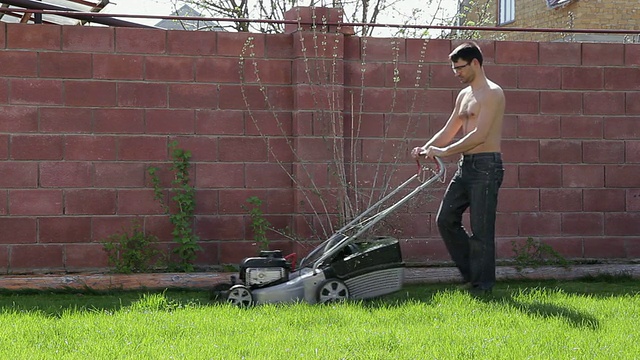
{"x":208,"y":280}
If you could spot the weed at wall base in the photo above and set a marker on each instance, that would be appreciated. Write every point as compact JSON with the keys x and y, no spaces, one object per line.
{"x":534,"y":253}
{"x":131,"y":251}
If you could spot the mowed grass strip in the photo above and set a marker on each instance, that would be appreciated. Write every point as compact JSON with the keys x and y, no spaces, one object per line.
{"x":548,"y":320}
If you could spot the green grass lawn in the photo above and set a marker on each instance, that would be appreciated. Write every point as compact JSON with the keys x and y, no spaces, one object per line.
{"x":594,"y":319}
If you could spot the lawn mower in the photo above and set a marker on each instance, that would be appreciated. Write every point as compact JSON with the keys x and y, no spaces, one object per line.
{"x":342,"y":267}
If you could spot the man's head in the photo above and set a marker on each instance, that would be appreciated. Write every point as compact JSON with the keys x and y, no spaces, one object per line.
{"x":467,"y":52}
{"x":466,"y":61}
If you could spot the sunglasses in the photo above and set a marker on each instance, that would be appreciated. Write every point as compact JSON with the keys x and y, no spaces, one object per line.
{"x":460,"y":67}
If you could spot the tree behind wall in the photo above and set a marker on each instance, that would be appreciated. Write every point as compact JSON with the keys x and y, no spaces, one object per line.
{"x":355,"y":11}
{"x":358,"y":170}
{"x":476,"y":13}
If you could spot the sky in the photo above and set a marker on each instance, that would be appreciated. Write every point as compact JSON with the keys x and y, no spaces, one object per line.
{"x":145,"y":7}
{"x":166,"y":7}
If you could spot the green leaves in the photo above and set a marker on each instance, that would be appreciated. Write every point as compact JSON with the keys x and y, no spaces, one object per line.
{"x":259,"y":224}
{"x":131,"y":251}
{"x":184,"y":200}
{"x":534,"y":253}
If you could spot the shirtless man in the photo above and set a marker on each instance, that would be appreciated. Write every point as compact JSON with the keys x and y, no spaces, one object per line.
{"x":478,"y":112}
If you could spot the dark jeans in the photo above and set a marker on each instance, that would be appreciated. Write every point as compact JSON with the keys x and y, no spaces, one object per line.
{"x":475,"y":186}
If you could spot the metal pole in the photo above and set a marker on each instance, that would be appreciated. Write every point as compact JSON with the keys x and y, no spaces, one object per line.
{"x":37,"y":18}
{"x":29,"y":4}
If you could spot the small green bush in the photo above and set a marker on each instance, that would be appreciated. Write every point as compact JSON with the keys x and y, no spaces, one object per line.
{"x":535,"y":253}
{"x":132,"y":250}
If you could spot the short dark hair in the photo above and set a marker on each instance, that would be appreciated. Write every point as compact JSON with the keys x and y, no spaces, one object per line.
{"x":467,"y":52}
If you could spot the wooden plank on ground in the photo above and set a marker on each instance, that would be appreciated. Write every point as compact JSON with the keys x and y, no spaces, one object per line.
{"x":450,"y":275}
{"x":207,"y":280}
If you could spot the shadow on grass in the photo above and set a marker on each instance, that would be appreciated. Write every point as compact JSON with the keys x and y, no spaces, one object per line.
{"x":56,"y":303}
{"x":574,"y":317}
{"x":508,"y":294}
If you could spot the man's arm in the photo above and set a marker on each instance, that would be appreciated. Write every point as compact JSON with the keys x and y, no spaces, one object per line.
{"x":448,"y":131}
{"x":489,"y":110}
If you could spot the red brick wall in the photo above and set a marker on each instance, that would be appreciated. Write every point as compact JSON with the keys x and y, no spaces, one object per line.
{"x":84,"y":111}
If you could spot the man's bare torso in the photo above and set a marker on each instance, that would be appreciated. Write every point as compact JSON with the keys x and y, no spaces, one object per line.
{"x":470,"y":108}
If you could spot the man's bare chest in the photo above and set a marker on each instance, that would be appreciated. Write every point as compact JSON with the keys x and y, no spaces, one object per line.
{"x":469,"y":110}
{"x":470,"y":107}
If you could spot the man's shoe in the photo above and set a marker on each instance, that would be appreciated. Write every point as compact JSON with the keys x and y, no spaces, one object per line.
{"x":479,"y":292}
{"x":473,"y":290}
{"x":466,"y":286}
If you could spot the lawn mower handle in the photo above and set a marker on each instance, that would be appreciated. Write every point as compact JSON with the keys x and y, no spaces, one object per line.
{"x":437,"y":160}
{"x":332,"y":248}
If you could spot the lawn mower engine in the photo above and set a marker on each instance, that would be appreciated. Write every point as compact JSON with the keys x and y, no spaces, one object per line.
{"x":269,"y":268}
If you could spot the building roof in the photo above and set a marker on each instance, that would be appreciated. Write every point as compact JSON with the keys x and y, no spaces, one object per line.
{"x":186,"y":10}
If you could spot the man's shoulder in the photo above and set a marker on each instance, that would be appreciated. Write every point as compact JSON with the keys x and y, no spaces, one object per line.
{"x":495,"y":92}
{"x":465,"y":90}
{"x":495,"y":88}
